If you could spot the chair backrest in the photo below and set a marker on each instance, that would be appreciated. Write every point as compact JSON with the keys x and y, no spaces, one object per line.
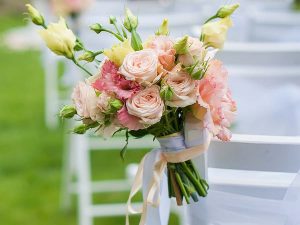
{"x":261,"y":54}
{"x":258,"y":153}
{"x":274,"y":22}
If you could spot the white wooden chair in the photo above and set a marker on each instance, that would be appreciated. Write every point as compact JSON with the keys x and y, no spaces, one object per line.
{"x":250,"y":168}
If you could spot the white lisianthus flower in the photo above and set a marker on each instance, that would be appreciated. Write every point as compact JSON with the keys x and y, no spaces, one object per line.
{"x":59,"y":38}
{"x":214,"y":33}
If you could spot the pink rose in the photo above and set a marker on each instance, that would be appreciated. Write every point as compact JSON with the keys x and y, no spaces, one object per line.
{"x":184,"y":89}
{"x":85,"y":101}
{"x":140,"y":66}
{"x":129,"y":121}
{"x":196,"y":52}
{"x":147,"y":105}
{"x":111,"y":81}
{"x":215,"y":96}
{"x":164,"y":48}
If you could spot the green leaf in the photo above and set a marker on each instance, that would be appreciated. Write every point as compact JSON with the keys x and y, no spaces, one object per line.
{"x":123,"y":151}
{"x":138,"y":133}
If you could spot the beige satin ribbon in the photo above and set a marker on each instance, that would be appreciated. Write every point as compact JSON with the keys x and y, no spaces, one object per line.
{"x":159,"y":167}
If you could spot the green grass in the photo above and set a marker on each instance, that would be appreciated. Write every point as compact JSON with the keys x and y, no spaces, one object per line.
{"x":31,"y":155}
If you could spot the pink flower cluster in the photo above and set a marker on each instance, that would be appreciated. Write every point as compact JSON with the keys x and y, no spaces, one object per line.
{"x":140,"y":81}
{"x":215,"y":96}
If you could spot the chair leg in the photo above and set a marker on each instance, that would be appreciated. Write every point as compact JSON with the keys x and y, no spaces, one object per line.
{"x":83,"y":181}
{"x":68,"y":172}
{"x":51,"y":92}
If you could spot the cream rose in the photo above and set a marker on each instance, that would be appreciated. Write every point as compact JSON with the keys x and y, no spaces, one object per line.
{"x":146,"y":105}
{"x":184,"y":89}
{"x":140,"y":66}
{"x":85,"y":101}
{"x":195,"y":52}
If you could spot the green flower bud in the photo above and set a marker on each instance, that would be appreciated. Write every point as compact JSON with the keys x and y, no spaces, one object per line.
{"x":112,"y":19}
{"x":35,"y":15}
{"x":80,"y":129}
{"x":130,"y":21}
{"x":136,"y":42}
{"x":116,"y":104}
{"x":164,"y":28}
{"x":67,"y":111}
{"x":166,"y":93}
{"x":88,"y":56}
{"x":181,"y":46}
{"x":78,"y":45}
{"x":226,"y":10}
{"x":96,"y":27}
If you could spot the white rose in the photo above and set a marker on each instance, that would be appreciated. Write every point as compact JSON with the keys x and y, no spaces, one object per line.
{"x":140,"y":66}
{"x":146,"y":105}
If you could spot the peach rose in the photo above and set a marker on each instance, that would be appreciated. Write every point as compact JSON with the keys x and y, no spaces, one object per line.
{"x":146,"y":105}
{"x":164,"y":48}
{"x":196,"y":52}
{"x":85,"y":101}
{"x":140,"y":66}
{"x":184,"y":89}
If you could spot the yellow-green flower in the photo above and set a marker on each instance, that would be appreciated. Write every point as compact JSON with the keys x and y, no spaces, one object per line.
{"x":214,"y":33}
{"x":164,"y":28}
{"x":226,"y":10}
{"x":59,"y":38}
{"x":130,"y":20}
{"x":118,"y":52}
{"x":35,"y":15}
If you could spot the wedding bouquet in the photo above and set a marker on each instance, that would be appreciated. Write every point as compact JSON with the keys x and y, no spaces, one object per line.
{"x":152,"y":87}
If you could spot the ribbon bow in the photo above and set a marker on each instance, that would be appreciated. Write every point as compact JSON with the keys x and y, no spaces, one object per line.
{"x":159,"y":168}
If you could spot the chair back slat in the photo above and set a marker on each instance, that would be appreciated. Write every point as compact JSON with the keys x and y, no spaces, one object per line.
{"x":252,"y":152}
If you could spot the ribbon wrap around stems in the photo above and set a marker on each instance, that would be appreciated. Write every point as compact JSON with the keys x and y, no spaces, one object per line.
{"x":173,"y":149}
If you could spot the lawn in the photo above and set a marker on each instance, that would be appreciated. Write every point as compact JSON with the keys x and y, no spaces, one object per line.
{"x":31,"y":155}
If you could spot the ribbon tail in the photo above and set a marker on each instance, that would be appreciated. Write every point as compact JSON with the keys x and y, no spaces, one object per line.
{"x":137,"y":185}
{"x":159,"y":168}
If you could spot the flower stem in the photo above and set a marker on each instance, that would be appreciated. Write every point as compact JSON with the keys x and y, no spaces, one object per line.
{"x":113,"y":33}
{"x":200,"y":189}
{"x":182,"y":188}
{"x":81,"y":67}
{"x":211,"y":18}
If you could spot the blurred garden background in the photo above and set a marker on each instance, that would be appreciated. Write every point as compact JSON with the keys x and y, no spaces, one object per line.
{"x":30,"y":153}
{"x":33,"y":146}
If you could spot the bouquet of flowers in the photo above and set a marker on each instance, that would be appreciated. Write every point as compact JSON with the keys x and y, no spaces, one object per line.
{"x":151,"y":87}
